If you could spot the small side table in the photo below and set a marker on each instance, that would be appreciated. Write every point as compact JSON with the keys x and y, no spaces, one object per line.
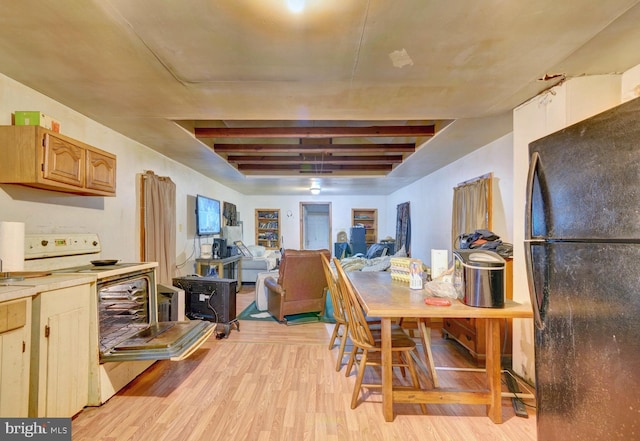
{"x":203,"y":265}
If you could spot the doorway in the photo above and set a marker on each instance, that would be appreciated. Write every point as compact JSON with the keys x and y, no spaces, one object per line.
{"x":315,"y":225}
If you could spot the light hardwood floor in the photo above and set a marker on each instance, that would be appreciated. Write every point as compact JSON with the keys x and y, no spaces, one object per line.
{"x":275,"y":382}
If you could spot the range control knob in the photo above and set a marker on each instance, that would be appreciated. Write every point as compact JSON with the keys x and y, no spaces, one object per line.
{"x":44,"y":242}
{"x":95,"y":243}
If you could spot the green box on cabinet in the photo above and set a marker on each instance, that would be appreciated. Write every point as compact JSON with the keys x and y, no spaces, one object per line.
{"x":35,"y":118}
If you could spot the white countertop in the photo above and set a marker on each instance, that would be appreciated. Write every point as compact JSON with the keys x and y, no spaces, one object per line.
{"x":32,"y":286}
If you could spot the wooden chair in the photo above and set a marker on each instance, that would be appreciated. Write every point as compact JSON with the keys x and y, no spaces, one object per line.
{"x":340,"y":316}
{"x":367,"y":342}
{"x":338,"y":312}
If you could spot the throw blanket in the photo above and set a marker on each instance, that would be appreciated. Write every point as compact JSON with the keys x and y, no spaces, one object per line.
{"x":364,"y":264}
{"x":381,"y":263}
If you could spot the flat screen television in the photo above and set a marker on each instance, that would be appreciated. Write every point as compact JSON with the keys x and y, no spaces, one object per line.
{"x":207,"y":216}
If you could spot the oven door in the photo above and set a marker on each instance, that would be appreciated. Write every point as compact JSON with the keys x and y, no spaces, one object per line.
{"x":161,"y":341}
{"x":129,"y":329}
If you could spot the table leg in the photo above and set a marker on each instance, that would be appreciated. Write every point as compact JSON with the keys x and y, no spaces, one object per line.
{"x":387,"y":374}
{"x":425,"y":336}
{"x":494,"y":408}
{"x":220,"y":269}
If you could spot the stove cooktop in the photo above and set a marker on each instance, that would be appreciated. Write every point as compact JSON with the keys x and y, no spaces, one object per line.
{"x":95,"y":268}
{"x":103,"y":271}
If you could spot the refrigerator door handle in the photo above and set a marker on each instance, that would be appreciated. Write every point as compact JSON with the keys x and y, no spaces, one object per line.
{"x":533,"y":168}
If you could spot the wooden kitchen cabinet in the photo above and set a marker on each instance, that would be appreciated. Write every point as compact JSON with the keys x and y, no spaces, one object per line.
{"x":15,"y":347}
{"x":470,"y":332}
{"x":37,"y":157}
{"x":59,"y":385}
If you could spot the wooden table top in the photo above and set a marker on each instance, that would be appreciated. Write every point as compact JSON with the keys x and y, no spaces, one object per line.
{"x":383,"y":297}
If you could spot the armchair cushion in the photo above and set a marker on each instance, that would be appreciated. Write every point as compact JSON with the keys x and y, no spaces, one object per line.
{"x":301,"y":284}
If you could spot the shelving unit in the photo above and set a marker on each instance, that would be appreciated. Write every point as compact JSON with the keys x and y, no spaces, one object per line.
{"x":268,"y":228}
{"x":369,"y":218}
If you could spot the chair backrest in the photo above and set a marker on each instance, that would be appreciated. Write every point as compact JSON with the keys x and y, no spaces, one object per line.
{"x":358,"y":327}
{"x":301,"y":274}
{"x":334,"y":291}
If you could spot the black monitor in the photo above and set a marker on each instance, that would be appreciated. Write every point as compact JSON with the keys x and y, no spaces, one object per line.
{"x":207,"y":216}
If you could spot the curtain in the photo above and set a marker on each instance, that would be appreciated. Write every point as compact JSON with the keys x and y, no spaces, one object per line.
{"x":403,"y":228}
{"x":471,"y":207}
{"x":159,"y":224}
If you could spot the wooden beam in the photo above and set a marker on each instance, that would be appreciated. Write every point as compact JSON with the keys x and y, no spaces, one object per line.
{"x":313,"y":132}
{"x":314,"y":168}
{"x":316,"y":159}
{"x":314,"y":148}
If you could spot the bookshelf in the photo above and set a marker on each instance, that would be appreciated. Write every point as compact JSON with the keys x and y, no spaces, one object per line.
{"x":268,"y":228}
{"x":369,"y":218}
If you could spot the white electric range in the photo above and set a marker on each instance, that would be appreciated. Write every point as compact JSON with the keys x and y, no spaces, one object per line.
{"x":125,"y":329}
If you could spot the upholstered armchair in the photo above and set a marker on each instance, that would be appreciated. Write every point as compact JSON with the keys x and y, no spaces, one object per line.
{"x":301,"y":285}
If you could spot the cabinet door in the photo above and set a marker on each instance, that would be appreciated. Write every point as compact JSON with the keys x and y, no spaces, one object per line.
{"x":15,"y":332}
{"x":101,"y":171}
{"x":68,"y":362}
{"x":63,"y":161}
{"x":60,"y":355}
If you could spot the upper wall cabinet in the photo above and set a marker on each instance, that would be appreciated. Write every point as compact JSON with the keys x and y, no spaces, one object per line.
{"x":37,"y":157}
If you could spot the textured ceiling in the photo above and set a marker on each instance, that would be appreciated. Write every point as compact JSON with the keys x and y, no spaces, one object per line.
{"x":155,"y":70}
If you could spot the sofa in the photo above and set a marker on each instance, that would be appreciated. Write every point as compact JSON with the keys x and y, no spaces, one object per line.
{"x":261,"y":260}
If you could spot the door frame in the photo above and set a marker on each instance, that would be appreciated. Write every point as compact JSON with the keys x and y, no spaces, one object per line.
{"x":302,"y":208}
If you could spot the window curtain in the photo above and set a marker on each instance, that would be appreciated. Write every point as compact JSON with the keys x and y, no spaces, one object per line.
{"x":403,"y":228}
{"x":159,"y":224}
{"x":471,"y":207}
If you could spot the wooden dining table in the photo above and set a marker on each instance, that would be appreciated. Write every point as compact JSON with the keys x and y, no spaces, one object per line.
{"x":380,"y":296}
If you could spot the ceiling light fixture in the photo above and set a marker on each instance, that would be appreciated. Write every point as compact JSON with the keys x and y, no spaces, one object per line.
{"x":315,"y":190}
{"x":295,"y":6}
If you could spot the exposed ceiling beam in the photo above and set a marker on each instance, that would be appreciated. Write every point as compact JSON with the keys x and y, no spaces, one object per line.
{"x":314,"y":148}
{"x":313,"y":132}
{"x":309,"y":169}
{"x":315,"y":159}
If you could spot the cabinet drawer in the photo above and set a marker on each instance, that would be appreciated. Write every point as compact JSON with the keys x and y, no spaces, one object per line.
{"x":13,"y":315}
{"x":468,"y":323}
{"x":462,"y":334}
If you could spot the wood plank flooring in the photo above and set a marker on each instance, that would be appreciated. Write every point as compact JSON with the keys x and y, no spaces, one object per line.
{"x":275,"y":382}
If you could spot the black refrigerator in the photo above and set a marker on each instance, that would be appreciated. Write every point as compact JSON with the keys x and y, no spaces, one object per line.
{"x":582,"y":249}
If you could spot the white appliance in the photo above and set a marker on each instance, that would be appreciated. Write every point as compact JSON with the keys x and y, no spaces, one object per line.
{"x":125,"y":334}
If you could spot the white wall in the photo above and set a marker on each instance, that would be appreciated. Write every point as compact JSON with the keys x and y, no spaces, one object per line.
{"x":431,"y":198}
{"x":290,"y":224}
{"x":115,"y":219}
